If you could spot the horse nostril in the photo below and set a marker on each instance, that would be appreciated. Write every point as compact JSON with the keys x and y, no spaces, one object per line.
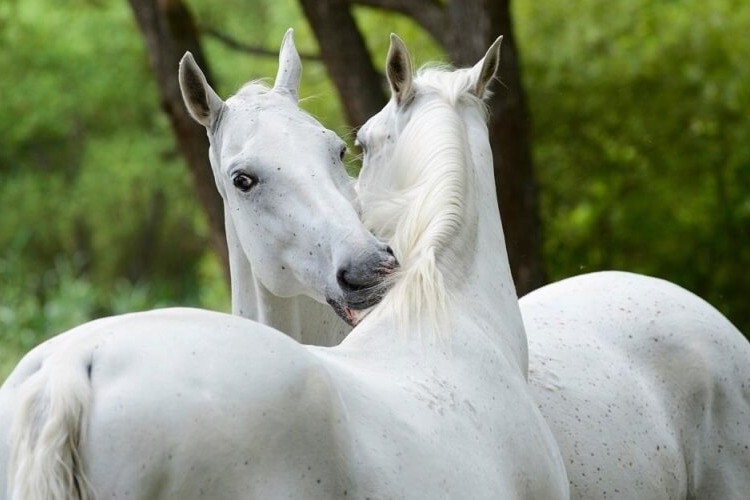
{"x":355,"y":280}
{"x":342,"y":281}
{"x":390,"y":262}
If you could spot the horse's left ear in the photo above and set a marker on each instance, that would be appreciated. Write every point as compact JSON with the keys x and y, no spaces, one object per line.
{"x":203,"y":104}
{"x":485,"y":70}
{"x":398,"y":70}
{"x":290,"y":67}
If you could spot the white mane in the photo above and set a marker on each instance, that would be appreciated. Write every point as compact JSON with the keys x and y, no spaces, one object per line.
{"x":419,"y":204}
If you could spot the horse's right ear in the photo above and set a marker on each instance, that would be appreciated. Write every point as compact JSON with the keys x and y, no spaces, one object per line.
{"x":202,"y":102}
{"x":486,"y":70}
{"x":398,"y":70}
{"x":290,"y":67}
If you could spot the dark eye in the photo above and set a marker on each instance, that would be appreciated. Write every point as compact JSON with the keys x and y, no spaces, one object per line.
{"x":243,"y":182}
{"x":342,"y":153}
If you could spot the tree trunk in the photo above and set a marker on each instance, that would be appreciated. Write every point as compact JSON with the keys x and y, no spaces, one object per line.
{"x":347,"y":60}
{"x":473,"y":26}
{"x":169,"y":32}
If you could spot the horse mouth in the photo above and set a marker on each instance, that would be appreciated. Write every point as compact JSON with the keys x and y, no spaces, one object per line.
{"x":347,"y":314}
{"x":363,"y":287}
{"x":350,"y":306}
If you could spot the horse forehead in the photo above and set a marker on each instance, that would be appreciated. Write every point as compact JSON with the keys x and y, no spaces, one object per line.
{"x":268,"y":124}
{"x":380,"y":124}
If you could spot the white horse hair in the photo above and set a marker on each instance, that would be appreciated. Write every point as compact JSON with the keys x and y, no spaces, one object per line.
{"x":190,"y":404}
{"x":435,"y":183}
{"x":645,"y":386}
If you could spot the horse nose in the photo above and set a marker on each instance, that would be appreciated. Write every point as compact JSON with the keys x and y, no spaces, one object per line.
{"x":349,"y":281}
{"x":362,"y":279}
{"x":368,"y":269}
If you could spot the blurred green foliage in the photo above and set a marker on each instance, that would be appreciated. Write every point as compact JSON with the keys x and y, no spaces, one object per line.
{"x":642,"y":140}
{"x":641,"y":137}
{"x":98,"y":215}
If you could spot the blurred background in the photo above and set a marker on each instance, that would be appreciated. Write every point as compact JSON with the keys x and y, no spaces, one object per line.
{"x":621,"y":134}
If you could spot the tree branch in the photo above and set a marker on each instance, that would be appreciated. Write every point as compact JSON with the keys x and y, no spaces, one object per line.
{"x":235,"y":44}
{"x":430,"y":14}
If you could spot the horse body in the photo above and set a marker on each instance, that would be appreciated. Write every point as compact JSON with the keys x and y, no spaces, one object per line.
{"x":191,"y":404}
{"x":645,"y":385}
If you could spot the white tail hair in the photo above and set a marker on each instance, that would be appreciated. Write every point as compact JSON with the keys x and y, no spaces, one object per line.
{"x":48,"y":428}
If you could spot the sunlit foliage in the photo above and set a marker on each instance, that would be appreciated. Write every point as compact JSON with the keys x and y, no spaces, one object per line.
{"x":642,"y":140}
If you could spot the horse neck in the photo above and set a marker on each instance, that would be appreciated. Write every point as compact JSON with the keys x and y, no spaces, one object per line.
{"x":472,"y":262}
{"x":302,"y":318}
{"x":491,"y":271}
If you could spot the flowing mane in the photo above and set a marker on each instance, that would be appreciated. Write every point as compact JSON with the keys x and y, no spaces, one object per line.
{"x":420,"y":203}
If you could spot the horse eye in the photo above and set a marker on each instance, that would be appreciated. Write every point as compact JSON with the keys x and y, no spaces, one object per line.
{"x":243,"y":182}
{"x":343,"y":153}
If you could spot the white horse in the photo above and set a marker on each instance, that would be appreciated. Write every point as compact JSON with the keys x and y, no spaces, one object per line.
{"x":261,"y":137}
{"x":646,"y":386}
{"x":288,"y":204}
{"x":416,"y":402}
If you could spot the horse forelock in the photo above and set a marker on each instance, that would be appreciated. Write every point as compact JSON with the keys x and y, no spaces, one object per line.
{"x":419,"y":202}
{"x":253,"y":88}
{"x":247,"y":92}
{"x":456,"y":86}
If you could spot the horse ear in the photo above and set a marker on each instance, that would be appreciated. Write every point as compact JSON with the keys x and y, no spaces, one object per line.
{"x":202,"y":102}
{"x":290,"y":67}
{"x":398,"y":69}
{"x":485,"y":70}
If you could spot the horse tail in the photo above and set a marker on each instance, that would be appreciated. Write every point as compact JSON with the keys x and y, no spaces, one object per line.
{"x":49,"y":425}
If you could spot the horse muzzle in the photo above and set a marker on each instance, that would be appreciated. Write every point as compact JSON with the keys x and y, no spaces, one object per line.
{"x":364,"y":282}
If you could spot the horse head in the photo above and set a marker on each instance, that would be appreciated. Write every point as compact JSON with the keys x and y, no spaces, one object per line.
{"x":286,"y":193}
